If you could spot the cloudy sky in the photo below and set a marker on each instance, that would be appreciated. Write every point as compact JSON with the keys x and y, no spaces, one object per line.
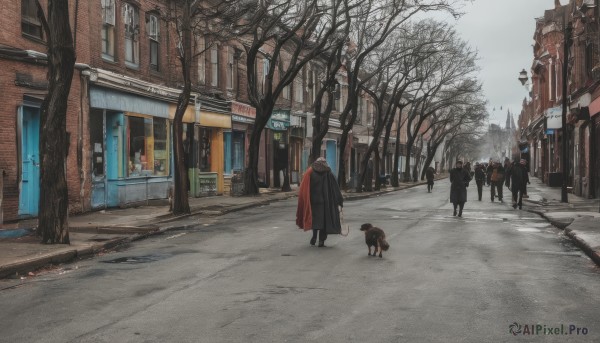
{"x":502,"y":32}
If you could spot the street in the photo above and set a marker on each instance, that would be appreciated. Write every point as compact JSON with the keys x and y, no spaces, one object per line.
{"x":251,"y":276}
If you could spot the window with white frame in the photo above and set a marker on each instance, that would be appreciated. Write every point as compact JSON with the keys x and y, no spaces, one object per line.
{"x":154,"y":37}
{"x":108,"y":29}
{"x":201,"y":46}
{"x":298,"y":91}
{"x":30,"y":23}
{"x":266,"y":72}
{"x":132,"y":31}
{"x":230,"y":65}
{"x":214,"y":66}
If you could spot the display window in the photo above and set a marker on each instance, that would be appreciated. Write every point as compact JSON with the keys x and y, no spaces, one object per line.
{"x":148,"y":148}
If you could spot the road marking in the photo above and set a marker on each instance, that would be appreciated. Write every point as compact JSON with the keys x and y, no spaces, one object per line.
{"x":177,"y":235}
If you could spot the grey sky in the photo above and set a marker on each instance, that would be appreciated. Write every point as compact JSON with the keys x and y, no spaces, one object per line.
{"x":502,"y":32}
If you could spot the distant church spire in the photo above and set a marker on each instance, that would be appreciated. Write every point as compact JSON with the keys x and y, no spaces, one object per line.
{"x":557,"y":4}
{"x":508,"y":121}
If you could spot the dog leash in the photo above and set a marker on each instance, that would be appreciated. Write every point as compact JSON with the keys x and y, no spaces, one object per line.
{"x":342,"y":223}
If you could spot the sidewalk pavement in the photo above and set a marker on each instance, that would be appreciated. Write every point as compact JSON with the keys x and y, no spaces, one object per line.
{"x":579,"y":218}
{"x":94,"y":232}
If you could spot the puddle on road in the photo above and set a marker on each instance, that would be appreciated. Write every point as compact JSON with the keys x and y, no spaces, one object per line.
{"x":528,"y":229}
{"x":137,"y":259}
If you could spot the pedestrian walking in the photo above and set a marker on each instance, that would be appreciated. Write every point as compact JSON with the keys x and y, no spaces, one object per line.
{"x":519,"y":179}
{"x":488,"y":172}
{"x":497,"y":179}
{"x":507,"y":168}
{"x":319,"y":202}
{"x":479,"y":178}
{"x":429,"y":174}
{"x":459,"y":179}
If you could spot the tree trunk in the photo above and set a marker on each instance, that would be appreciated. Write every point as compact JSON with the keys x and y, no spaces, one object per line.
{"x":377,"y":170}
{"x":395,"y":177}
{"x":53,"y":224}
{"x":251,"y":173}
{"x":180,"y":204}
{"x":406,"y":177}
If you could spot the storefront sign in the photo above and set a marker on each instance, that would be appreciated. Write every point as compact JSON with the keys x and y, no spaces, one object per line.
{"x":110,"y":99}
{"x":550,"y":131}
{"x":554,"y":118}
{"x":243,"y":110}
{"x":280,"y":120}
{"x":277,"y":125}
{"x":241,"y":119}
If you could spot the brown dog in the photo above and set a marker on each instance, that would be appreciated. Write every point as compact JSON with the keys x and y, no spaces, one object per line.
{"x":375,"y":237}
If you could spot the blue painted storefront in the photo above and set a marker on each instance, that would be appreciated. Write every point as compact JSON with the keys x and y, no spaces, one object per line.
{"x":116,"y":187}
{"x":331,"y":155}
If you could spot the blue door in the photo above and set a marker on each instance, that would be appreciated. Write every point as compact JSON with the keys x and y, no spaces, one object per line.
{"x":29,"y":196}
{"x":331,"y":156}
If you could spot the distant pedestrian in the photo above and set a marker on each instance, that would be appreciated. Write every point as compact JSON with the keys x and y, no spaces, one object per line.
{"x":519,"y":179}
{"x":319,"y":202}
{"x":488,"y":172}
{"x":467,"y":167}
{"x":497,"y":179}
{"x":479,"y":178}
{"x":459,"y":179}
{"x":429,"y":174}
{"x":507,"y":167}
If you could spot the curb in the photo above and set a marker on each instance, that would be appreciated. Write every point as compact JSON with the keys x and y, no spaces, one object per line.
{"x":595,"y":256}
{"x":580,"y":243}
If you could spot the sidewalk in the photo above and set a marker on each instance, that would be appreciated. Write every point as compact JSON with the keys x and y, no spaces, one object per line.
{"x":579,"y":218}
{"x":94,"y":232}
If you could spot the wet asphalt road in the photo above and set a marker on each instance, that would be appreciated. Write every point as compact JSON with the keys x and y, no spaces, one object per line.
{"x":252,"y":277}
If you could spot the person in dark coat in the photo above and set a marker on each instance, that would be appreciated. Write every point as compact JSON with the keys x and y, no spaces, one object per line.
{"x":479,"y":178}
{"x":429,"y":174}
{"x":497,"y":178}
{"x":319,"y":202}
{"x":459,"y":179}
{"x":488,"y":172}
{"x":507,"y":167}
{"x":519,"y":179}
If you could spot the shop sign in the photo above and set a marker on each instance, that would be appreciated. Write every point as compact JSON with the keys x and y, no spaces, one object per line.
{"x":241,"y":119}
{"x":554,"y":118}
{"x":277,"y":125}
{"x":242,"y":109}
{"x":282,"y":115}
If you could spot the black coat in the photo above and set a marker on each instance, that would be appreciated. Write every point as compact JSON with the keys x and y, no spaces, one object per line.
{"x":429,"y":174}
{"x":479,"y":173}
{"x":459,"y":179}
{"x":519,"y":177}
{"x":325,"y":197}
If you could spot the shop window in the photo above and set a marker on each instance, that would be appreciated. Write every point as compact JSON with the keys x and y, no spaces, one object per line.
{"x":204,"y":151}
{"x":214,"y":67}
{"x":148,"y":147}
{"x":201,"y":60}
{"x":154,"y":36}
{"x":30,"y":23}
{"x":132,"y":30}
{"x":108,"y":29}
{"x":161,"y":147}
{"x":230,"y":53}
{"x":97,"y":142}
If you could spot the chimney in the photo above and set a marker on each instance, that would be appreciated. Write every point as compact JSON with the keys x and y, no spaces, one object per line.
{"x":556,"y":4}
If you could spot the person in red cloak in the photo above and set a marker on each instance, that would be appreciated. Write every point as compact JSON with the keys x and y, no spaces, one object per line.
{"x":319,"y":202}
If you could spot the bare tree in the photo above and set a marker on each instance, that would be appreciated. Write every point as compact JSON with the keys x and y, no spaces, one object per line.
{"x":217,"y":21}
{"x":53,"y":224}
{"x":296,"y":32}
{"x":377,"y":21}
{"x":446,"y":80}
{"x":459,"y":120}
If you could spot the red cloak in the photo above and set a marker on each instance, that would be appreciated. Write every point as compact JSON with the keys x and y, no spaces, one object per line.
{"x":304,"y":212}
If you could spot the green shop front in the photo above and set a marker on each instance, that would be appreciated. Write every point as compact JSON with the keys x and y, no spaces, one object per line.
{"x":130,"y":139}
